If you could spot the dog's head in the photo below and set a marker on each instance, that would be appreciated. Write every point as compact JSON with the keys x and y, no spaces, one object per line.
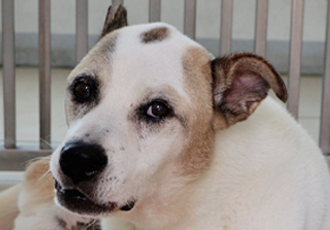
{"x":142,"y":108}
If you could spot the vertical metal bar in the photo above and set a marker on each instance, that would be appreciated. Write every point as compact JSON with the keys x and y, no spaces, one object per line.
{"x":116,"y":3}
{"x":190,"y":18}
{"x":8,"y":57}
{"x":325,"y":114}
{"x":261,"y":28}
{"x":154,"y":10}
{"x":226,"y":26}
{"x":81,"y":29}
{"x":295,"y":55}
{"x":44,"y":73}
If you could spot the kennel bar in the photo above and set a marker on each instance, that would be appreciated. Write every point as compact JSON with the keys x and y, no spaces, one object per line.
{"x":295,"y":56}
{"x":260,"y":43}
{"x":44,"y":73}
{"x":8,"y":57}
{"x":226,"y":26}
{"x":154,"y":10}
{"x":81,"y":29}
{"x":325,"y":114}
{"x":190,"y":18}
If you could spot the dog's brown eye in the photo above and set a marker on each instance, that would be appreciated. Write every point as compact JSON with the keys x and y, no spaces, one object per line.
{"x":158,"y":109}
{"x":82,"y":90}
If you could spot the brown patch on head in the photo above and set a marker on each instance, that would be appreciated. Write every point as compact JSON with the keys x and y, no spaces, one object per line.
{"x":155,"y":35}
{"x":200,"y":135}
{"x":241,"y":82}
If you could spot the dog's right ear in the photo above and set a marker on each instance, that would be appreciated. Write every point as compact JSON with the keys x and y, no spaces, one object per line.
{"x":114,"y":20}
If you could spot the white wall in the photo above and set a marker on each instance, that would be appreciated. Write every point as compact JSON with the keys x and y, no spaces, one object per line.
{"x":208,"y":17}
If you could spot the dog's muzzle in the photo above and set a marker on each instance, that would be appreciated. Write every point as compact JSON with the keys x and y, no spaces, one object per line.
{"x":80,"y":164}
{"x":81,"y":161}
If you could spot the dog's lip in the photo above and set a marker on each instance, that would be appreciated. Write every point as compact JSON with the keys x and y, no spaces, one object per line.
{"x":70,"y":192}
{"x":76,"y":201}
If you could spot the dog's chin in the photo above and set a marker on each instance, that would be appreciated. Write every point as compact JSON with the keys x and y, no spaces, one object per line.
{"x":77,"y":202}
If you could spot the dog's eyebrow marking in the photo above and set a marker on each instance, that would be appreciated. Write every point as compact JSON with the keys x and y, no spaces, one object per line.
{"x":155,"y":35}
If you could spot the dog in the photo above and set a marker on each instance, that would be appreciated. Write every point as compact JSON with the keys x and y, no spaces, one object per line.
{"x":164,"y":136}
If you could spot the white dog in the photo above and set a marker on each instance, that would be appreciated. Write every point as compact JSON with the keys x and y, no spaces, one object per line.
{"x":163,"y":137}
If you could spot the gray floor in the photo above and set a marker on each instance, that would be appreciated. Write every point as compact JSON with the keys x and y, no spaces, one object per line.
{"x":27,"y":109}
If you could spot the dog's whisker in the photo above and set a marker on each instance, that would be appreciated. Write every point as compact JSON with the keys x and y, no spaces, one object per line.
{"x":46,"y":142}
{"x":45,"y":174}
{"x":34,"y":159}
{"x":93,"y":223}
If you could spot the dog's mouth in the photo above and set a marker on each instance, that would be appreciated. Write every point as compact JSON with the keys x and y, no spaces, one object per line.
{"x":76,"y":201}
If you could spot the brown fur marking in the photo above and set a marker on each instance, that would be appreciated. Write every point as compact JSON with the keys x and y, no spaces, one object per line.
{"x":91,"y":66}
{"x":155,"y":35}
{"x":198,"y":81}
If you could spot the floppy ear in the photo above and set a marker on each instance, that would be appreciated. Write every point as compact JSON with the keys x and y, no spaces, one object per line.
{"x":240,"y":82}
{"x":114,"y":20}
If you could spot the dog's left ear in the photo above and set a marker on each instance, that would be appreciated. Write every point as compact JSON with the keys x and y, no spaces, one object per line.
{"x":114,"y":20}
{"x":240,"y":82}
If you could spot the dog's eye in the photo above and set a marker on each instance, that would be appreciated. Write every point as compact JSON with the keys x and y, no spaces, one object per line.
{"x":158,"y":109}
{"x":82,"y":90}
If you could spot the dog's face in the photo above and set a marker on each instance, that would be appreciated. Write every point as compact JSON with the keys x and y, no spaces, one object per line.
{"x":142,"y":108}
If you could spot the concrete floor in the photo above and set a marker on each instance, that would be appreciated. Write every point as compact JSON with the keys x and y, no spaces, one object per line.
{"x":27,"y":108}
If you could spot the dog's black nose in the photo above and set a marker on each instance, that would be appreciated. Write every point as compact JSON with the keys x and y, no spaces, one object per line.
{"x":81,"y":161}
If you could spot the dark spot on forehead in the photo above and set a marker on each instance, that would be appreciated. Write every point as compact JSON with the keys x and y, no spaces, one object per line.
{"x":155,"y":35}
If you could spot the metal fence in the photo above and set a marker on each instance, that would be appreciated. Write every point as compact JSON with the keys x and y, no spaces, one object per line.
{"x":12,"y":156}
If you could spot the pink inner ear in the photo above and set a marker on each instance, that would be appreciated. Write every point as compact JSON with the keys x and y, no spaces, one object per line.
{"x":247,"y":87}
